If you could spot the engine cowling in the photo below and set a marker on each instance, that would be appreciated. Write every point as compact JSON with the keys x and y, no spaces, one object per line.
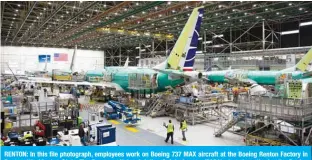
{"x":193,"y":76}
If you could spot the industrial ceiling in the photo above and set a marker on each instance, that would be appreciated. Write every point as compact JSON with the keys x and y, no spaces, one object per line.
{"x":69,"y":23}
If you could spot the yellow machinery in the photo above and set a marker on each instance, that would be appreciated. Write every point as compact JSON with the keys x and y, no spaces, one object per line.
{"x":59,"y":75}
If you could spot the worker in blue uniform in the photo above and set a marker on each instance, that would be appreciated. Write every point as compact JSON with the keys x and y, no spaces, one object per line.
{"x":170,"y":130}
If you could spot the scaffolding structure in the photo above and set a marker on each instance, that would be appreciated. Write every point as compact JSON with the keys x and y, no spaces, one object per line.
{"x":268,"y":120}
{"x":142,"y":81}
{"x":209,"y":110}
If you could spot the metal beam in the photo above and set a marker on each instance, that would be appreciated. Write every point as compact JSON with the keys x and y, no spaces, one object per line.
{"x":85,"y":9}
{"x":31,"y":9}
{"x":2,"y":12}
{"x":128,"y":14}
{"x":47,"y":19}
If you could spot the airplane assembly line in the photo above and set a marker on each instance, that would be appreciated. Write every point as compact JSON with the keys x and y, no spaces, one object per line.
{"x":113,"y":73}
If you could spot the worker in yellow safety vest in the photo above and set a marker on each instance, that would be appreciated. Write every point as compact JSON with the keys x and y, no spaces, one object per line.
{"x":183,"y":127}
{"x":170,"y":130}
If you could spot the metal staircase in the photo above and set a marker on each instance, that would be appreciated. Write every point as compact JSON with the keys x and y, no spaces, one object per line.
{"x":152,"y":105}
{"x":228,"y":125}
{"x":220,"y":113}
{"x":158,"y":110}
{"x":187,"y":89}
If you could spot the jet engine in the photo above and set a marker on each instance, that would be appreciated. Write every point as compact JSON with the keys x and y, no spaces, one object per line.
{"x":192,"y":76}
{"x":257,"y":89}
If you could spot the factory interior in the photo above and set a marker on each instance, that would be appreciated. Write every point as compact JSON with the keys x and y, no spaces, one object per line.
{"x":156,"y":73}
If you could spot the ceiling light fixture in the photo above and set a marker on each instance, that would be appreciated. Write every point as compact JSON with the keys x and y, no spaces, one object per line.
{"x":305,"y":23}
{"x":289,"y":32}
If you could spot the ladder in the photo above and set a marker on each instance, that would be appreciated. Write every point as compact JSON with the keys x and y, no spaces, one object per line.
{"x":228,"y":125}
{"x":158,"y":110}
{"x":153,"y":106}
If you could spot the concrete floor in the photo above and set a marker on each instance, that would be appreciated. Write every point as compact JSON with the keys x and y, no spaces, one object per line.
{"x":151,"y":132}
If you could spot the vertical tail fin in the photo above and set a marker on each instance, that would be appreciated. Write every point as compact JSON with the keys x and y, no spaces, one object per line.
{"x":182,"y":56}
{"x":127,"y":63}
{"x":303,"y":64}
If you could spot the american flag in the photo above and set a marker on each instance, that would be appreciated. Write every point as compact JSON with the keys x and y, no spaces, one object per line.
{"x":60,"y":57}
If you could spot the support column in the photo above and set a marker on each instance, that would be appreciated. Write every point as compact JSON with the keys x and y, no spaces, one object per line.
{"x":231,"y":45}
{"x":166,"y":49}
{"x":153,"y":49}
{"x":120,"y":56}
{"x":299,"y":34}
{"x":205,"y":39}
{"x":263,"y":36}
{"x":140,"y":52}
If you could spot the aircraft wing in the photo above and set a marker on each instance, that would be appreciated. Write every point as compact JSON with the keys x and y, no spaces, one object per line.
{"x":104,"y":84}
{"x":249,"y":81}
{"x":244,"y":81}
{"x":173,"y":73}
